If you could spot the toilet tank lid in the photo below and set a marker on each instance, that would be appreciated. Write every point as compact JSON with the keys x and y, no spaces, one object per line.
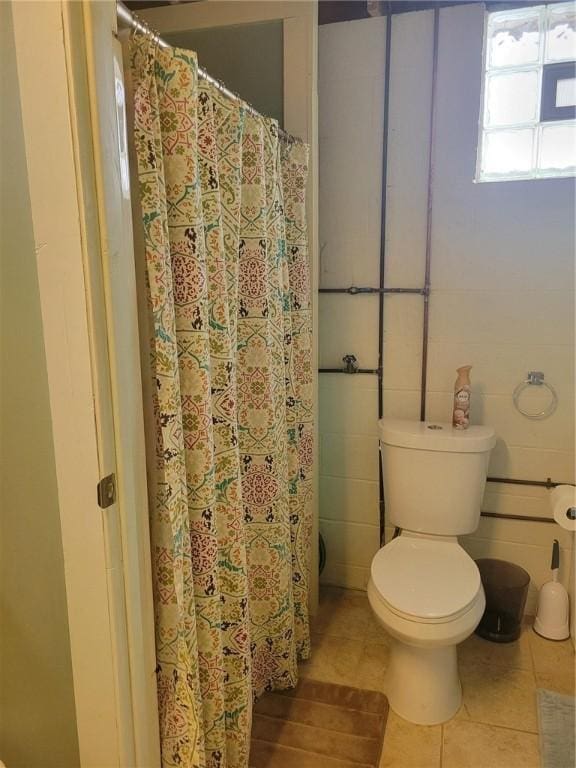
{"x":436,"y":436}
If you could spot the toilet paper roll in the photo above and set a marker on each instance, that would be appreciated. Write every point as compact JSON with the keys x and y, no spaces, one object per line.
{"x":563,"y":503}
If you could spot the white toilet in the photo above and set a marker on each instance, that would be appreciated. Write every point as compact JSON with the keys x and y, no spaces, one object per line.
{"x":424,"y":588}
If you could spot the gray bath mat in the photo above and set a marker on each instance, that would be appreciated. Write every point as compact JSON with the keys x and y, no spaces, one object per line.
{"x":557,"y":721}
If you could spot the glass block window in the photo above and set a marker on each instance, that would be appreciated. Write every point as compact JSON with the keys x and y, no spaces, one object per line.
{"x":528,"y":115}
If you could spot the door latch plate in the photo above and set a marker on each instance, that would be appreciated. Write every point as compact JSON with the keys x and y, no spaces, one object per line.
{"x":106,"y":490}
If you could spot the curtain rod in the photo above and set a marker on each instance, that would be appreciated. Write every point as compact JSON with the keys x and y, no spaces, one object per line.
{"x":131,"y":20}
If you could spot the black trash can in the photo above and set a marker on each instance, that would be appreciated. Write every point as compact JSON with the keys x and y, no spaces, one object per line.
{"x":506,"y":588}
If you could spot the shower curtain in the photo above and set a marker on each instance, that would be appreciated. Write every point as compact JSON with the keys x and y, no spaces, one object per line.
{"x":223,"y":213}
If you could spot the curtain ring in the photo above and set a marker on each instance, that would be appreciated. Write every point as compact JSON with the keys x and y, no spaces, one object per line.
{"x":138,"y":27}
{"x":145,"y":29}
{"x":156,"y":36}
{"x":535,"y":378}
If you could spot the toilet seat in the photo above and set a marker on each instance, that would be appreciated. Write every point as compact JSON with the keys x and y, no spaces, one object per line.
{"x":425,"y":580}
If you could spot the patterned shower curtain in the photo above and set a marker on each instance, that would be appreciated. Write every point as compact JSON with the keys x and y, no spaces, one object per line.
{"x":223,"y":212}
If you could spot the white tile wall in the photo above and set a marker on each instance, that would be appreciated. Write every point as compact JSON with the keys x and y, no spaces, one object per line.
{"x":343,"y":321}
{"x":350,"y":126}
{"x":503,"y":316}
{"x":502,"y":286}
{"x":350,"y":456}
{"x":348,"y":500}
{"x":409,"y":126}
{"x":348,"y":410}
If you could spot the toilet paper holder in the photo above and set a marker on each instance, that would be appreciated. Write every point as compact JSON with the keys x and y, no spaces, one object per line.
{"x":535,"y":378}
{"x":563,"y":506}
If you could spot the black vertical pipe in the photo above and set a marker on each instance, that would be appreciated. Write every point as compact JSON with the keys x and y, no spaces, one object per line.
{"x":432,"y":136}
{"x":383,"y":251}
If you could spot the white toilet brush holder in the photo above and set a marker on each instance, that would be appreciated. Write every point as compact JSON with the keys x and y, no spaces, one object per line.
{"x":552,"y":618}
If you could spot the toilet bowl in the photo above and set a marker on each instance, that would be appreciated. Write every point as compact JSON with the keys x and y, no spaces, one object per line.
{"x":424,"y":589}
{"x":427,"y":594}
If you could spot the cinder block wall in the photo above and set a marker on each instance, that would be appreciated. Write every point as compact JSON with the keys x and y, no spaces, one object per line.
{"x":502,"y":285}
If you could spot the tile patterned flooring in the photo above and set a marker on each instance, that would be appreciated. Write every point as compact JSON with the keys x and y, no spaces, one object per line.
{"x":497,"y":724}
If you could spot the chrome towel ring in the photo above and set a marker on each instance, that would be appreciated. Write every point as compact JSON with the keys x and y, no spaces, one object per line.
{"x":535,"y":378}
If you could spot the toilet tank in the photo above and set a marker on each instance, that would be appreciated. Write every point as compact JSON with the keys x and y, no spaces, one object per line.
{"x":434,"y":475}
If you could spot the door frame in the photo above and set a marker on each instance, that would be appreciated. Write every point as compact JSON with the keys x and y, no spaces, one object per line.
{"x":300,"y":32}
{"x":81,"y":250}
{"x":107,"y":96}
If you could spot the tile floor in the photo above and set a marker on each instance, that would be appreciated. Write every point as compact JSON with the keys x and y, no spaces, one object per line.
{"x":496,"y":726}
